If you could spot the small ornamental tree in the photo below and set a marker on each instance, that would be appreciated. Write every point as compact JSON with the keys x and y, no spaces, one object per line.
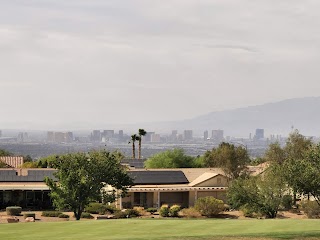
{"x":82,"y":178}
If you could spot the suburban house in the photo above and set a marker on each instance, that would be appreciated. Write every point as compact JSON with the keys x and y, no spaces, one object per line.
{"x":24,"y":187}
{"x":183,"y":186}
{"x":152,"y":187}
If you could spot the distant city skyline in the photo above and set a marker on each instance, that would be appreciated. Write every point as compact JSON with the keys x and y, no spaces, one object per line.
{"x":68,"y":65}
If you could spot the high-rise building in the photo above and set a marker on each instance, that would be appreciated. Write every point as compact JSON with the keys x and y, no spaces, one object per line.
{"x":50,"y":136}
{"x":155,"y":138}
{"x":259,"y":133}
{"x":69,"y":137}
{"x":59,"y":137}
{"x":188,"y":135}
{"x":205,"y":135}
{"x":96,"y":136}
{"x":147,"y":137}
{"x":0,"y":133}
{"x":120,"y":134}
{"x":108,"y":134}
{"x":217,"y":135}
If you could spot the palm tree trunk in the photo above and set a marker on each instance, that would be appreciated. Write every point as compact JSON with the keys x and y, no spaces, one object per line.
{"x":133,"y":150}
{"x":140,"y":148}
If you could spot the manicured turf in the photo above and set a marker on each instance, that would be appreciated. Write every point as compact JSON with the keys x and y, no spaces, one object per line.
{"x":162,"y":229}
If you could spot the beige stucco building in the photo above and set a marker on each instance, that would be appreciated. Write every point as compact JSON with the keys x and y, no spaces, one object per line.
{"x":155,"y":187}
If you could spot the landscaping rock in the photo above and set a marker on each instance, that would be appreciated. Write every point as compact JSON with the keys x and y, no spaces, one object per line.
{"x":29,"y":219}
{"x":12,"y":220}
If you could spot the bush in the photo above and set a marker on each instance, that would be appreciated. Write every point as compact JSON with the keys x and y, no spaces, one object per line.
{"x":164,"y":211}
{"x":13,"y":211}
{"x":62,"y":215}
{"x":86,"y":215}
{"x":51,"y":214}
{"x":132,"y":213}
{"x":190,"y":213}
{"x":121,"y":214}
{"x":247,"y":211}
{"x":25,"y":215}
{"x":174,"y":210}
{"x":111,"y":209}
{"x":209,"y":206}
{"x":96,"y":208}
{"x":287,"y":202}
{"x":140,"y":211}
{"x":311,"y":209}
{"x":129,"y":213}
{"x":151,"y":210}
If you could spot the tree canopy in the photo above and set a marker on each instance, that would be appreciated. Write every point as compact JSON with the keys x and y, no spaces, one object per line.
{"x":4,"y":153}
{"x":175,"y":158}
{"x":233,"y":160}
{"x":260,"y":194}
{"x":84,"y":177}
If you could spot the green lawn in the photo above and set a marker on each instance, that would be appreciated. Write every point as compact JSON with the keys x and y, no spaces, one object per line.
{"x":162,"y":229}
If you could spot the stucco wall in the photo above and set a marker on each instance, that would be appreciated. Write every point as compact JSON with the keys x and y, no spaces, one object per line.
{"x":214,"y":182}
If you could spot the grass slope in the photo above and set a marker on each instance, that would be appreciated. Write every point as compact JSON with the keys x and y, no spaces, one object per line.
{"x":162,"y":229}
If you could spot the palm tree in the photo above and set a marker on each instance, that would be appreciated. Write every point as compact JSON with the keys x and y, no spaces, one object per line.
{"x":142,"y":133}
{"x":134,"y":138}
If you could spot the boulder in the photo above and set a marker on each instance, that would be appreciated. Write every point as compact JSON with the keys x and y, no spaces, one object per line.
{"x":12,"y":220}
{"x":29,"y":219}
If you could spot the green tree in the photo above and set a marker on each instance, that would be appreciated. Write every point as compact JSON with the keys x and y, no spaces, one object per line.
{"x":233,"y":160}
{"x":175,"y":158}
{"x":47,"y":162}
{"x":29,"y":165}
{"x":141,"y":133}
{"x":261,"y":194}
{"x":3,"y":165}
{"x":275,"y":154}
{"x":4,"y":153}
{"x":133,"y":140}
{"x":305,"y":173}
{"x":83,"y":178}
{"x":297,"y":145}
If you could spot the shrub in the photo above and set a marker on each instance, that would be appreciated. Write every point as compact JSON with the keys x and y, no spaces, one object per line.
{"x":25,"y":215}
{"x":311,"y":209}
{"x":86,"y":215}
{"x":132,"y":213}
{"x":121,"y":214}
{"x":151,"y":210}
{"x":209,"y":206}
{"x":128,"y":213}
{"x":111,"y":208}
{"x":190,"y":213}
{"x":247,"y":211}
{"x":174,"y":210}
{"x":140,"y":211}
{"x":51,"y":214}
{"x":96,"y":208}
{"x":13,"y":211}
{"x":164,"y":211}
{"x":287,"y":202}
{"x":62,"y":215}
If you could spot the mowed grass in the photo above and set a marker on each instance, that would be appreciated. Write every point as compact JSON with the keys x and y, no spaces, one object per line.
{"x":168,"y":229}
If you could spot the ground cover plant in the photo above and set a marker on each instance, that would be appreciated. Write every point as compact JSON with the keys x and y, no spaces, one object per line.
{"x":165,"y":228}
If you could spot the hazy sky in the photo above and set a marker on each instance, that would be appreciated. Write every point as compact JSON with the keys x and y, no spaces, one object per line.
{"x":87,"y":63}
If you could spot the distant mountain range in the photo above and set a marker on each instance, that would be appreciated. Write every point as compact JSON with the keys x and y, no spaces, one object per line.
{"x":275,"y":118}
